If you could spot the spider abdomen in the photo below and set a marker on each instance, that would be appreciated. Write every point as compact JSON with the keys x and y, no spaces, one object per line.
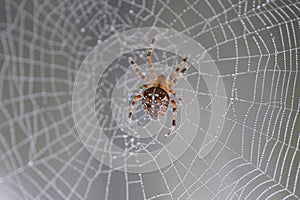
{"x":155,"y":102}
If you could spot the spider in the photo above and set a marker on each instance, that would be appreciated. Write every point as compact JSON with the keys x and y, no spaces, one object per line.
{"x":155,"y":97}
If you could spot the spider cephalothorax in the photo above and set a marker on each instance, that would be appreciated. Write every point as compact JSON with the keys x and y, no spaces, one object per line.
{"x":155,"y":97}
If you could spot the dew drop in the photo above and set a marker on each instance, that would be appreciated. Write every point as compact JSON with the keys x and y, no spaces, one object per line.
{"x":30,"y":163}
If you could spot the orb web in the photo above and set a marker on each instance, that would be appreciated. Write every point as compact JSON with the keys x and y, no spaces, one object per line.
{"x":254,"y":44}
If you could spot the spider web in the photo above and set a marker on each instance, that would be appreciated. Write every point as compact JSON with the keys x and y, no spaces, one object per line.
{"x":255,"y":46}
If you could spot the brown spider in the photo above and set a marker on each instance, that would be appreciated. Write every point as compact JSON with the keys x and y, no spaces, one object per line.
{"x":155,"y":98}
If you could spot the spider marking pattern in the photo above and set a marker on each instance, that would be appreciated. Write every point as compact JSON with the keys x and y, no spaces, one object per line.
{"x":155,"y":97}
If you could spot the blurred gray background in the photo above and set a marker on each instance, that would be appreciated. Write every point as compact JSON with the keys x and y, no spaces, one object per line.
{"x":255,"y":45}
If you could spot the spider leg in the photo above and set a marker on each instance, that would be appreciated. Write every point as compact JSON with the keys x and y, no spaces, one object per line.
{"x":174,"y":114}
{"x":173,"y":82}
{"x":137,"y":71}
{"x":134,"y":100}
{"x":171,"y":77}
{"x":146,"y":86}
{"x":151,"y":70}
{"x":175,"y":94}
